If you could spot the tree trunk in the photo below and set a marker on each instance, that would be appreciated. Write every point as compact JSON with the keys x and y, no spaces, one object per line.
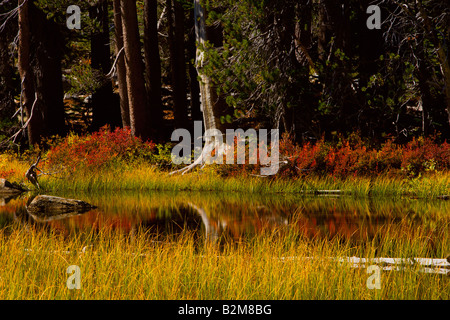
{"x":322,"y":40}
{"x":121,"y":71}
{"x":196,"y":113}
{"x":212,"y":106}
{"x":105,"y":111}
{"x":8,"y":84}
{"x":48,"y":73}
{"x":423,"y":76}
{"x":25,"y":72}
{"x":153,"y":66}
{"x":177,"y":61}
{"x":39,"y":64}
{"x":134,"y":71}
{"x":441,"y":55}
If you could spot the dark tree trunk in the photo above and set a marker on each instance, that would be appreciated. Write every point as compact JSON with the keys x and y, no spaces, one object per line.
{"x":40,"y":50}
{"x":322,"y":37}
{"x":303,"y":45}
{"x":441,"y":53}
{"x":8,"y":87}
{"x":370,"y":48}
{"x":153,"y":67}
{"x":25,"y":71}
{"x":196,"y":113}
{"x":105,"y":110}
{"x":121,"y":71}
{"x":423,"y":75}
{"x":137,"y":99}
{"x":177,"y":61}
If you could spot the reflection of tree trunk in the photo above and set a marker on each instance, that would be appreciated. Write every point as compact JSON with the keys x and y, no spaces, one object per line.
{"x":121,"y":71}
{"x":211,"y":231}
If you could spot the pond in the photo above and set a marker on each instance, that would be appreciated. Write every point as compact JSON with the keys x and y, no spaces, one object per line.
{"x":229,"y":218}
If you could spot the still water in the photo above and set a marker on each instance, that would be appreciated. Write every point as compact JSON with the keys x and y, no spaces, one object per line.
{"x":233,"y":216}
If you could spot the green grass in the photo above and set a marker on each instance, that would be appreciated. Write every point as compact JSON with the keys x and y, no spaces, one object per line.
{"x":33,"y":265}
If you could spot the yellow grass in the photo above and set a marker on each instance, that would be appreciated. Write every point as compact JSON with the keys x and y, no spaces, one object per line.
{"x":276,"y":264}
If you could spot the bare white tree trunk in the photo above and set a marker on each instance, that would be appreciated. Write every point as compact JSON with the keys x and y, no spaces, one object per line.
{"x":207,"y":94}
{"x":212,"y":107}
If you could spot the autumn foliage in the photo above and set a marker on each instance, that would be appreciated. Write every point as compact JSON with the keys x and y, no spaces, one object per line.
{"x":97,"y":150}
{"x":354,"y":157}
{"x":347,"y":157}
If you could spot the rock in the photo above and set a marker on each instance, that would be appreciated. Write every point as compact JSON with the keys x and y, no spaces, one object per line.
{"x":49,"y":206}
{"x":8,"y":188}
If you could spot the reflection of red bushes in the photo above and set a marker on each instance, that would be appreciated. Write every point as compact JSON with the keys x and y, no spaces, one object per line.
{"x":98,"y":149}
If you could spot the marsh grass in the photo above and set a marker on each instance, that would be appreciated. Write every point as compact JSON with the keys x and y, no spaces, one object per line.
{"x":275,"y":264}
{"x":140,"y":175}
{"x":149,"y":178}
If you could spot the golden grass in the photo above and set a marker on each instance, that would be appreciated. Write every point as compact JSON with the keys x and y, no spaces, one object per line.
{"x":276,"y":264}
{"x":143,"y":176}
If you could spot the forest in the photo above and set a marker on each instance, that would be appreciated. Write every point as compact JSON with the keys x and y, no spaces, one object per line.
{"x":336,"y":78}
{"x":309,"y":68}
{"x":96,"y":96}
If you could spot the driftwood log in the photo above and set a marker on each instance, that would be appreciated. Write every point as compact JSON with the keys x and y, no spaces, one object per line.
{"x":7,"y":188}
{"x":31,"y":173}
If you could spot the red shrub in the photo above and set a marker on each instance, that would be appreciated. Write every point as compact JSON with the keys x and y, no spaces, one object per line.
{"x":353,"y":157}
{"x":424,"y":154}
{"x":96,"y":150}
{"x":6,"y":174}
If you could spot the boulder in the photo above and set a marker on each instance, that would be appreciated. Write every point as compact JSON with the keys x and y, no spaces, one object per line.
{"x":50,"y":206}
{"x":8,"y":188}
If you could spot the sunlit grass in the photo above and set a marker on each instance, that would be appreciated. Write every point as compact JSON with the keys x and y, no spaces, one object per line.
{"x":275,"y":264}
{"x":143,"y":176}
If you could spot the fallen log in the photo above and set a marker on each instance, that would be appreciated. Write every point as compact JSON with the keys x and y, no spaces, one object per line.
{"x":8,"y":188}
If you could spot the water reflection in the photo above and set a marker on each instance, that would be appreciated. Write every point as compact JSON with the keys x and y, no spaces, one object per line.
{"x":228,"y":218}
{"x":232,"y":216}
